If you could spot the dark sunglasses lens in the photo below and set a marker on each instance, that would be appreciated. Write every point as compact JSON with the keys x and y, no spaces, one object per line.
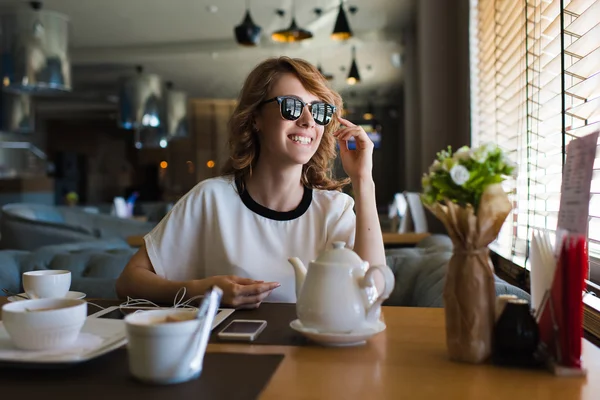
{"x":322,"y":113}
{"x":291,"y":108}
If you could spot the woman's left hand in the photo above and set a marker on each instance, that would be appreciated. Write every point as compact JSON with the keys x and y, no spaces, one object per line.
{"x":358,"y":163}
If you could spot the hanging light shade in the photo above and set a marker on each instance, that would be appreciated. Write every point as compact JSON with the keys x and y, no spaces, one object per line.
{"x":353,"y":75}
{"x":140,"y":101}
{"x":325,"y":75}
{"x":369,"y":113}
{"x":34,"y":50}
{"x":150,"y":138}
{"x":176,"y":112}
{"x":16,"y":113}
{"x":341,"y":29}
{"x":247,"y":33}
{"x":291,"y":34}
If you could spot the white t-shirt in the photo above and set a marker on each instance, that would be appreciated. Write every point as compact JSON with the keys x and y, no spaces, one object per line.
{"x":213,"y":230}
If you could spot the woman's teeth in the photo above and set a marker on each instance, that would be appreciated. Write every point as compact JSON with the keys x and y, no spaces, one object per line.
{"x":301,"y":139}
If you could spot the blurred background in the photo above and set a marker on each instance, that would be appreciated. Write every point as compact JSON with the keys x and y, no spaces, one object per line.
{"x":104,"y":98}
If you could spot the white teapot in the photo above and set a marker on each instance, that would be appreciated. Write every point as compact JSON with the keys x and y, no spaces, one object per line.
{"x":337,"y":294}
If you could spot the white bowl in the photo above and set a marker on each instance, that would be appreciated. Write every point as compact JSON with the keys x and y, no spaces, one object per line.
{"x":45,"y":323}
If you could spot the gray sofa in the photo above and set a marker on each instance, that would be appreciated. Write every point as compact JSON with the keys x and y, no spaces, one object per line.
{"x":421,"y":273}
{"x":154,"y":211}
{"x":30,"y":226}
{"x":95,"y":266}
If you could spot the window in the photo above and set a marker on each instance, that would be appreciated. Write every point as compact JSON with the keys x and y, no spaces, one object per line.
{"x":535,"y":86}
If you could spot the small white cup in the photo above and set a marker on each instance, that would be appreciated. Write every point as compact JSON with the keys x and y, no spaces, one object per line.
{"x":48,"y":283}
{"x":159,"y":352}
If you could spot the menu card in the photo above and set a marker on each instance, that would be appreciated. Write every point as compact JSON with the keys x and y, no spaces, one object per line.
{"x":575,"y":191}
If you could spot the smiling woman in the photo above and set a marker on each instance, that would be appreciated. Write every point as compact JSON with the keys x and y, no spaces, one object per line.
{"x":275,"y":200}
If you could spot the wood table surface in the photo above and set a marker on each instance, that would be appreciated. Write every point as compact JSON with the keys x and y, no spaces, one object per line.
{"x":409,"y":361}
{"x":389,"y":239}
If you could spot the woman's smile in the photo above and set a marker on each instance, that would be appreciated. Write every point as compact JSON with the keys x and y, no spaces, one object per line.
{"x":301,"y":139}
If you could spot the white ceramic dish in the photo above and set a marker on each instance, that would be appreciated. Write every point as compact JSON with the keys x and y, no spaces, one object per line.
{"x":44,"y":324}
{"x":356,"y":338}
{"x":97,"y":337}
{"x":69,"y":295}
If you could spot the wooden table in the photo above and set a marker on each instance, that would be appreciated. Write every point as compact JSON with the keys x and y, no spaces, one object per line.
{"x":390,"y":239}
{"x":408,"y":361}
{"x":410,"y":239}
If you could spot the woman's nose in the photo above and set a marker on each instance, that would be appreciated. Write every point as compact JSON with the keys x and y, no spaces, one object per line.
{"x":306,"y":119}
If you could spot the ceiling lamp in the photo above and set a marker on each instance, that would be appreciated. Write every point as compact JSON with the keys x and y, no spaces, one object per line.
{"x":140,"y":101}
{"x":16,"y":113}
{"x":247,"y":33}
{"x":353,"y":76}
{"x":176,"y":111}
{"x":369,"y":114}
{"x":325,"y":75}
{"x":150,"y":138}
{"x":341,"y":30}
{"x":34,"y":50}
{"x":293,"y":33}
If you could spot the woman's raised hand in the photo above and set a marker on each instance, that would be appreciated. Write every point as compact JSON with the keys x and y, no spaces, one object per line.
{"x":358,"y":163}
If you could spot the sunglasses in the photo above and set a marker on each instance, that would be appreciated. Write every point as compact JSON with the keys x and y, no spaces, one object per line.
{"x":291,"y":109}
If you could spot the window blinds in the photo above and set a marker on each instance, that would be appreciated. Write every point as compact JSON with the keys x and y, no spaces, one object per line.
{"x":536,"y":86}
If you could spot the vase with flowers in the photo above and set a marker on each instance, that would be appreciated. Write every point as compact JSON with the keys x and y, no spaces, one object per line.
{"x":463,"y":189}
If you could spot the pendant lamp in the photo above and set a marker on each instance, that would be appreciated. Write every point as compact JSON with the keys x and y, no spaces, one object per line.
{"x":16,"y":113}
{"x":341,"y":29}
{"x":293,"y":33}
{"x":247,"y":33}
{"x":353,"y":75}
{"x":140,"y":101}
{"x":369,"y":113}
{"x":176,"y":112}
{"x":34,"y":50}
{"x":150,"y":138}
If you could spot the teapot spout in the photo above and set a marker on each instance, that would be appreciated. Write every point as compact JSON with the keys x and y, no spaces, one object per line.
{"x":300,"y":272}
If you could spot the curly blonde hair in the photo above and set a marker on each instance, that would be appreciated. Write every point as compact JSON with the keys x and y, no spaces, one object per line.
{"x":244,"y":144}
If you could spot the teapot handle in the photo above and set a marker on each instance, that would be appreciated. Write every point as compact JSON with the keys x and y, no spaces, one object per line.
{"x":389,"y":280}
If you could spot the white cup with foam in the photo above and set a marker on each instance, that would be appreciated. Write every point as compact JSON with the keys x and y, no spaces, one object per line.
{"x":160,"y":345}
{"x":48,"y":283}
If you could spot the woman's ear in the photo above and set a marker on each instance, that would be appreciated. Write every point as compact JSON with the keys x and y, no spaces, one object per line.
{"x":256,"y":124}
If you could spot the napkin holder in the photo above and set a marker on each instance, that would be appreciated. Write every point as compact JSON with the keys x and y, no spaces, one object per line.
{"x":560,"y":317}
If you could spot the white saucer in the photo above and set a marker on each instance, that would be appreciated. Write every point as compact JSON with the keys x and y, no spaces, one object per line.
{"x":339,"y":339}
{"x":69,"y":295}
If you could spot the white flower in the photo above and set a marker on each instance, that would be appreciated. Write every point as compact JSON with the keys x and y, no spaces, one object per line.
{"x":459,"y":174}
{"x":483,"y":152}
{"x":436,"y":166}
{"x":462,"y":154}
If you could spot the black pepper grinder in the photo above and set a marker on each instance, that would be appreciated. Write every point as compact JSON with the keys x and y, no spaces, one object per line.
{"x":516,"y":336}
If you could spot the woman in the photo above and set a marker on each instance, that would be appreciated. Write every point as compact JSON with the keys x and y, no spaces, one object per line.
{"x":275,"y":200}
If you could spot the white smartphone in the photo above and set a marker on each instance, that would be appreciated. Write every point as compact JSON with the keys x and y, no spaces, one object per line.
{"x":243,"y":329}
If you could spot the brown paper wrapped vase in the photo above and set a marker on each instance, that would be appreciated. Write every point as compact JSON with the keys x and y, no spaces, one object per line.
{"x":469,"y":292}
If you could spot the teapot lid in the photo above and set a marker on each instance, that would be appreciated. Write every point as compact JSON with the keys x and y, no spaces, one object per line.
{"x":339,"y":255}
